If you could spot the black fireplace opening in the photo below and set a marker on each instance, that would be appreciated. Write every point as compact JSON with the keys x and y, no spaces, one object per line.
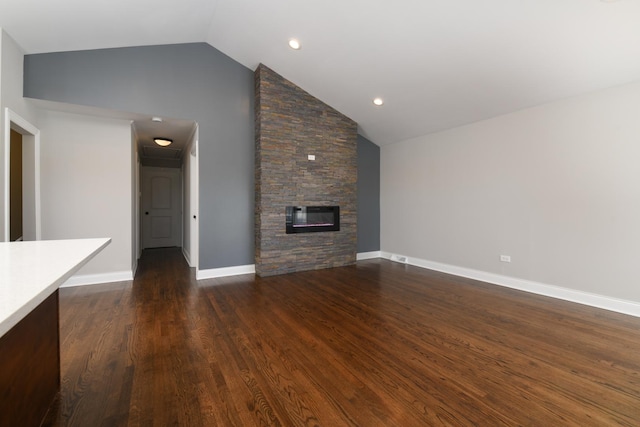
{"x":309,"y":219}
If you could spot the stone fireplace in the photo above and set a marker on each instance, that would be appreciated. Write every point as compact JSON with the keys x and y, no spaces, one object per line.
{"x":306,"y":156}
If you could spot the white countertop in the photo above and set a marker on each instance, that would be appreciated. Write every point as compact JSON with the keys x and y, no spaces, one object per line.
{"x":31,"y":271}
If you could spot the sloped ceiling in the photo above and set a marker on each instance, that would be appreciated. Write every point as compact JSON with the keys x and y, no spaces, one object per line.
{"x":437,"y":64}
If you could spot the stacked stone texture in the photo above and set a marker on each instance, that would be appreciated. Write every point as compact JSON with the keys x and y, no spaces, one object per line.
{"x":290,"y":125}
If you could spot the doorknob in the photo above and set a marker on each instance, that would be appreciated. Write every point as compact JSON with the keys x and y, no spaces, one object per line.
{"x":146,"y":213}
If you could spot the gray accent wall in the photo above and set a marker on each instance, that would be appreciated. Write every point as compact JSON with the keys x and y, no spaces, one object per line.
{"x":368,"y":196}
{"x":188,"y":81}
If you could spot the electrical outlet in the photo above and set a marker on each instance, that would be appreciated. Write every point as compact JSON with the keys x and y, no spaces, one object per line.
{"x":399,"y":258}
{"x":311,"y":157}
{"x":505,"y":258}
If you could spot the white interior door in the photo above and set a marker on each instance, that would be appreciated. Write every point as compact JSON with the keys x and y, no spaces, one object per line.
{"x":161,"y":207}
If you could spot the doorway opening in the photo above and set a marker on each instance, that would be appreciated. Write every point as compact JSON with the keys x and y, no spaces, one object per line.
{"x":22,"y":179}
{"x":167,"y":186}
{"x":15,"y":185}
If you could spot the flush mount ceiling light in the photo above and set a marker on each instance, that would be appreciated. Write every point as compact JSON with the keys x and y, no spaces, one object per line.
{"x":378,"y":101}
{"x":294,"y":44}
{"x":163,"y":142}
{"x":156,"y":119}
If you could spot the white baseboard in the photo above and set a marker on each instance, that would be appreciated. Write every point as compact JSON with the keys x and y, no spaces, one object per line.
{"x":94,"y":279}
{"x":187,"y":256}
{"x":134,"y":268}
{"x":368,"y":255}
{"x":631,"y":308}
{"x":251,"y":269}
{"x":213,"y":273}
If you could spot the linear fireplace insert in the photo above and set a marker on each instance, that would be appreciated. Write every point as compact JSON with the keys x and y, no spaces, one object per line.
{"x":308,"y":219}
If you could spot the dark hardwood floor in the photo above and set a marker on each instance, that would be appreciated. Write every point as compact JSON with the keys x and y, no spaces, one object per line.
{"x":375,"y":344}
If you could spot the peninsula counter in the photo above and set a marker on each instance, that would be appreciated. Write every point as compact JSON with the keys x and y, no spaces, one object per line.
{"x":30,"y":275}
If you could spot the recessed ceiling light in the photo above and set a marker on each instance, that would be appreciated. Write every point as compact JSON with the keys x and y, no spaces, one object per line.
{"x":294,"y":44}
{"x":163,"y":142}
{"x":378,"y":101}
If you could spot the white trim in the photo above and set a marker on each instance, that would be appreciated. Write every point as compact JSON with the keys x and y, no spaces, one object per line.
{"x":631,"y":308}
{"x":213,"y":273}
{"x":368,"y":255}
{"x":194,"y":194}
{"x":185,"y":254}
{"x":134,"y":269}
{"x":95,"y":279}
{"x":25,"y":128}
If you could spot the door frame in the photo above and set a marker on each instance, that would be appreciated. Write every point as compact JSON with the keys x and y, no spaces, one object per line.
{"x":194,"y":194}
{"x":30,"y":134}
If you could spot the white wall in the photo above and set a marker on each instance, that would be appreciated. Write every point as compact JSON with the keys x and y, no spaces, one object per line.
{"x":556,"y":187}
{"x":11,"y":82}
{"x":12,"y":79}
{"x":86,"y":186}
{"x":2,"y":154}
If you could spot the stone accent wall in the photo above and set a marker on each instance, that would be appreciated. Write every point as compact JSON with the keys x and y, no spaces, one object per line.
{"x":290,"y":125}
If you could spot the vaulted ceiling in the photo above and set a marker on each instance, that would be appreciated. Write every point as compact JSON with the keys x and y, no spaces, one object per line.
{"x":436,"y":64}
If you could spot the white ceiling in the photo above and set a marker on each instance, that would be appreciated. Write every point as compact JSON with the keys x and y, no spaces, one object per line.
{"x":437,"y":64}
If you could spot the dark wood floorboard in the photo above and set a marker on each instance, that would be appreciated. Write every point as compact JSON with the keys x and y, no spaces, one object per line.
{"x":375,"y":344}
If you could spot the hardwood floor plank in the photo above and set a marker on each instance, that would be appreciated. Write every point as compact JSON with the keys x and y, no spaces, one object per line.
{"x":375,"y":344}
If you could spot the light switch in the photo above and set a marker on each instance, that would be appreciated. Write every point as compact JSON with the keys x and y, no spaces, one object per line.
{"x":311,"y":156}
